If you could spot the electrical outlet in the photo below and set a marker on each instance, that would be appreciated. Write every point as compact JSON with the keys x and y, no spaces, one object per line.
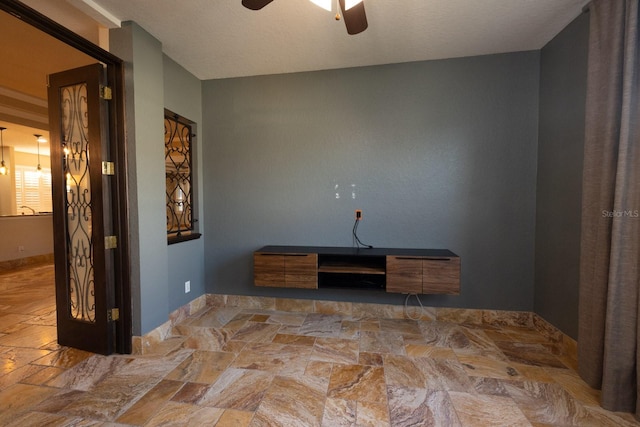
{"x":358,"y":214}
{"x":187,"y":286}
{"x":20,"y":248}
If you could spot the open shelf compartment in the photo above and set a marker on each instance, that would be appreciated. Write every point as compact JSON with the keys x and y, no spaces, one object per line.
{"x":344,"y":264}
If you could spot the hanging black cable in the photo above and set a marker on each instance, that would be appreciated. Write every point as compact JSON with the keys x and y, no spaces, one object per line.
{"x":356,"y":239}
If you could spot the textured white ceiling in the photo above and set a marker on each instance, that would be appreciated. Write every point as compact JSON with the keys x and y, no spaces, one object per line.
{"x":220,"y":38}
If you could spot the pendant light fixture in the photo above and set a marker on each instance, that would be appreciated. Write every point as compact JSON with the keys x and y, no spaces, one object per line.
{"x":3,"y":168}
{"x":39,"y":140}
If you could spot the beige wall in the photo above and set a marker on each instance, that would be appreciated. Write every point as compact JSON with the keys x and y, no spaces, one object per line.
{"x":7,"y":186}
{"x":32,"y":234}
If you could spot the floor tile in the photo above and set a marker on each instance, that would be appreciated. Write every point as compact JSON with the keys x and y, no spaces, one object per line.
{"x":21,"y":397}
{"x":350,"y":330}
{"x":420,"y":407}
{"x":548,"y":403}
{"x":335,"y":350}
{"x":400,"y":326}
{"x":43,"y":376}
{"x":241,"y":389}
{"x":347,"y":364}
{"x":191,"y":393}
{"x":492,"y":386}
{"x":371,"y":359}
{"x":602,"y":418}
{"x":319,"y":369}
{"x":443,"y":374}
{"x":574,"y":385}
{"x":339,"y":413}
{"x":273,"y":358}
{"x":357,"y":382}
{"x":402,"y":371}
{"x":290,"y":319}
{"x":110,"y":398}
{"x":375,"y":414}
{"x":213,"y":318}
{"x":256,"y":332}
{"x":529,"y":354}
{"x":9,"y":320}
{"x":441,"y":334}
{"x":64,"y":358}
{"x":234,"y":418}
{"x":321,"y":325}
{"x":87,"y":373}
{"x":294,"y":339}
{"x":415,"y":349}
{"x":19,"y":375}
{"x":44,"y":419}
{"x":202,"y":367}
{"x":151,"y":403}
{"x":12,"y":358}
{"x":31,"y":336}
{"x":487,"y":410}
{"x":175,"y":413}
{"x":481,"y":366}
{"x":288,"y":399}
{"x":382,"y":342}
{"x":208,"y":339}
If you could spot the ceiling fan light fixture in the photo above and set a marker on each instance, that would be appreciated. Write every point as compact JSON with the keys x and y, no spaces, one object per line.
{"x":348,"y":4}
{"x":325,"y":4}
{"x":355,"y":17}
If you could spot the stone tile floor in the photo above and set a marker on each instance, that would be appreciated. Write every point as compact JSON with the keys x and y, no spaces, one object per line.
{"x":235,"y":367}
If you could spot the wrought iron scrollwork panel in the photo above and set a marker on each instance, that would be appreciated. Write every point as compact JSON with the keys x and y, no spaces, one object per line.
{"x":75,"y":126}
{"x":177,"y":143}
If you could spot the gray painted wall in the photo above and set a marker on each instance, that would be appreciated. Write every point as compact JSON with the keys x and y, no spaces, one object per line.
{"x":442,"y":155}
{"x":144,"y":83}
{"x":157,"y":288}
{"x":563,"y":77}
{"x":183,"y":96}
{"x":439,"y":154}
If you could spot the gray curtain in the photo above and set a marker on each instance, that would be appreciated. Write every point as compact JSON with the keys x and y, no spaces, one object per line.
{"x":608,"y":340}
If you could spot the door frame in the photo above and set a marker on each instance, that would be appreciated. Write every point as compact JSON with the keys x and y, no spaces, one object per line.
{"x":118,"y":153}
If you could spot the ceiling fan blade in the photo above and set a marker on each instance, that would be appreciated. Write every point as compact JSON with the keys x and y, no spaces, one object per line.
{"x":255,"y":4}
{"x":355,"y":19}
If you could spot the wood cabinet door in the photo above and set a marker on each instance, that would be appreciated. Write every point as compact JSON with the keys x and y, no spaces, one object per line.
{"x":301,"y":271}
{"x":268,"y":269}
{"x":441,"y":276}
{"x":404,"y":275}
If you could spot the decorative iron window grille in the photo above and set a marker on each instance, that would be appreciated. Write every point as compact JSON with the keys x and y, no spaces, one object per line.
{"x":79,"y":204}
{"x":178,"y":146}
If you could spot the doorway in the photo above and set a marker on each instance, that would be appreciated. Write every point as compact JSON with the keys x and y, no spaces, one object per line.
{"x":52,"y":48}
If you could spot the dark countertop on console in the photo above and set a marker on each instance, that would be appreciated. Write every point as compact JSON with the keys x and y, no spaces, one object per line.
{"x":342,"y":250}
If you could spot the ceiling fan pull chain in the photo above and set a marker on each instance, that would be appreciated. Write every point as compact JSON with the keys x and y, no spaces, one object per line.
{"x":338,"y":10}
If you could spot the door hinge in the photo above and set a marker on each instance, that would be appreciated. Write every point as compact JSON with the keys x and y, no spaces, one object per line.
{"x":113,"y":314}
{"x":105,"y":93}
{"x":108,"y":168}
{"x":110,"y":242}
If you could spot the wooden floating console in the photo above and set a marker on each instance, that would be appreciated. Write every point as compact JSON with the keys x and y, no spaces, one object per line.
{"x":408,"y":271}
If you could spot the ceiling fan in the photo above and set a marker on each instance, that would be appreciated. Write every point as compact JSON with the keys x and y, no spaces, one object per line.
{"x":353,"y":13}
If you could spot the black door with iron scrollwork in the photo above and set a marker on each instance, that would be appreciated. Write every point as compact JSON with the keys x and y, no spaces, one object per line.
{"x":81,"y":209}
